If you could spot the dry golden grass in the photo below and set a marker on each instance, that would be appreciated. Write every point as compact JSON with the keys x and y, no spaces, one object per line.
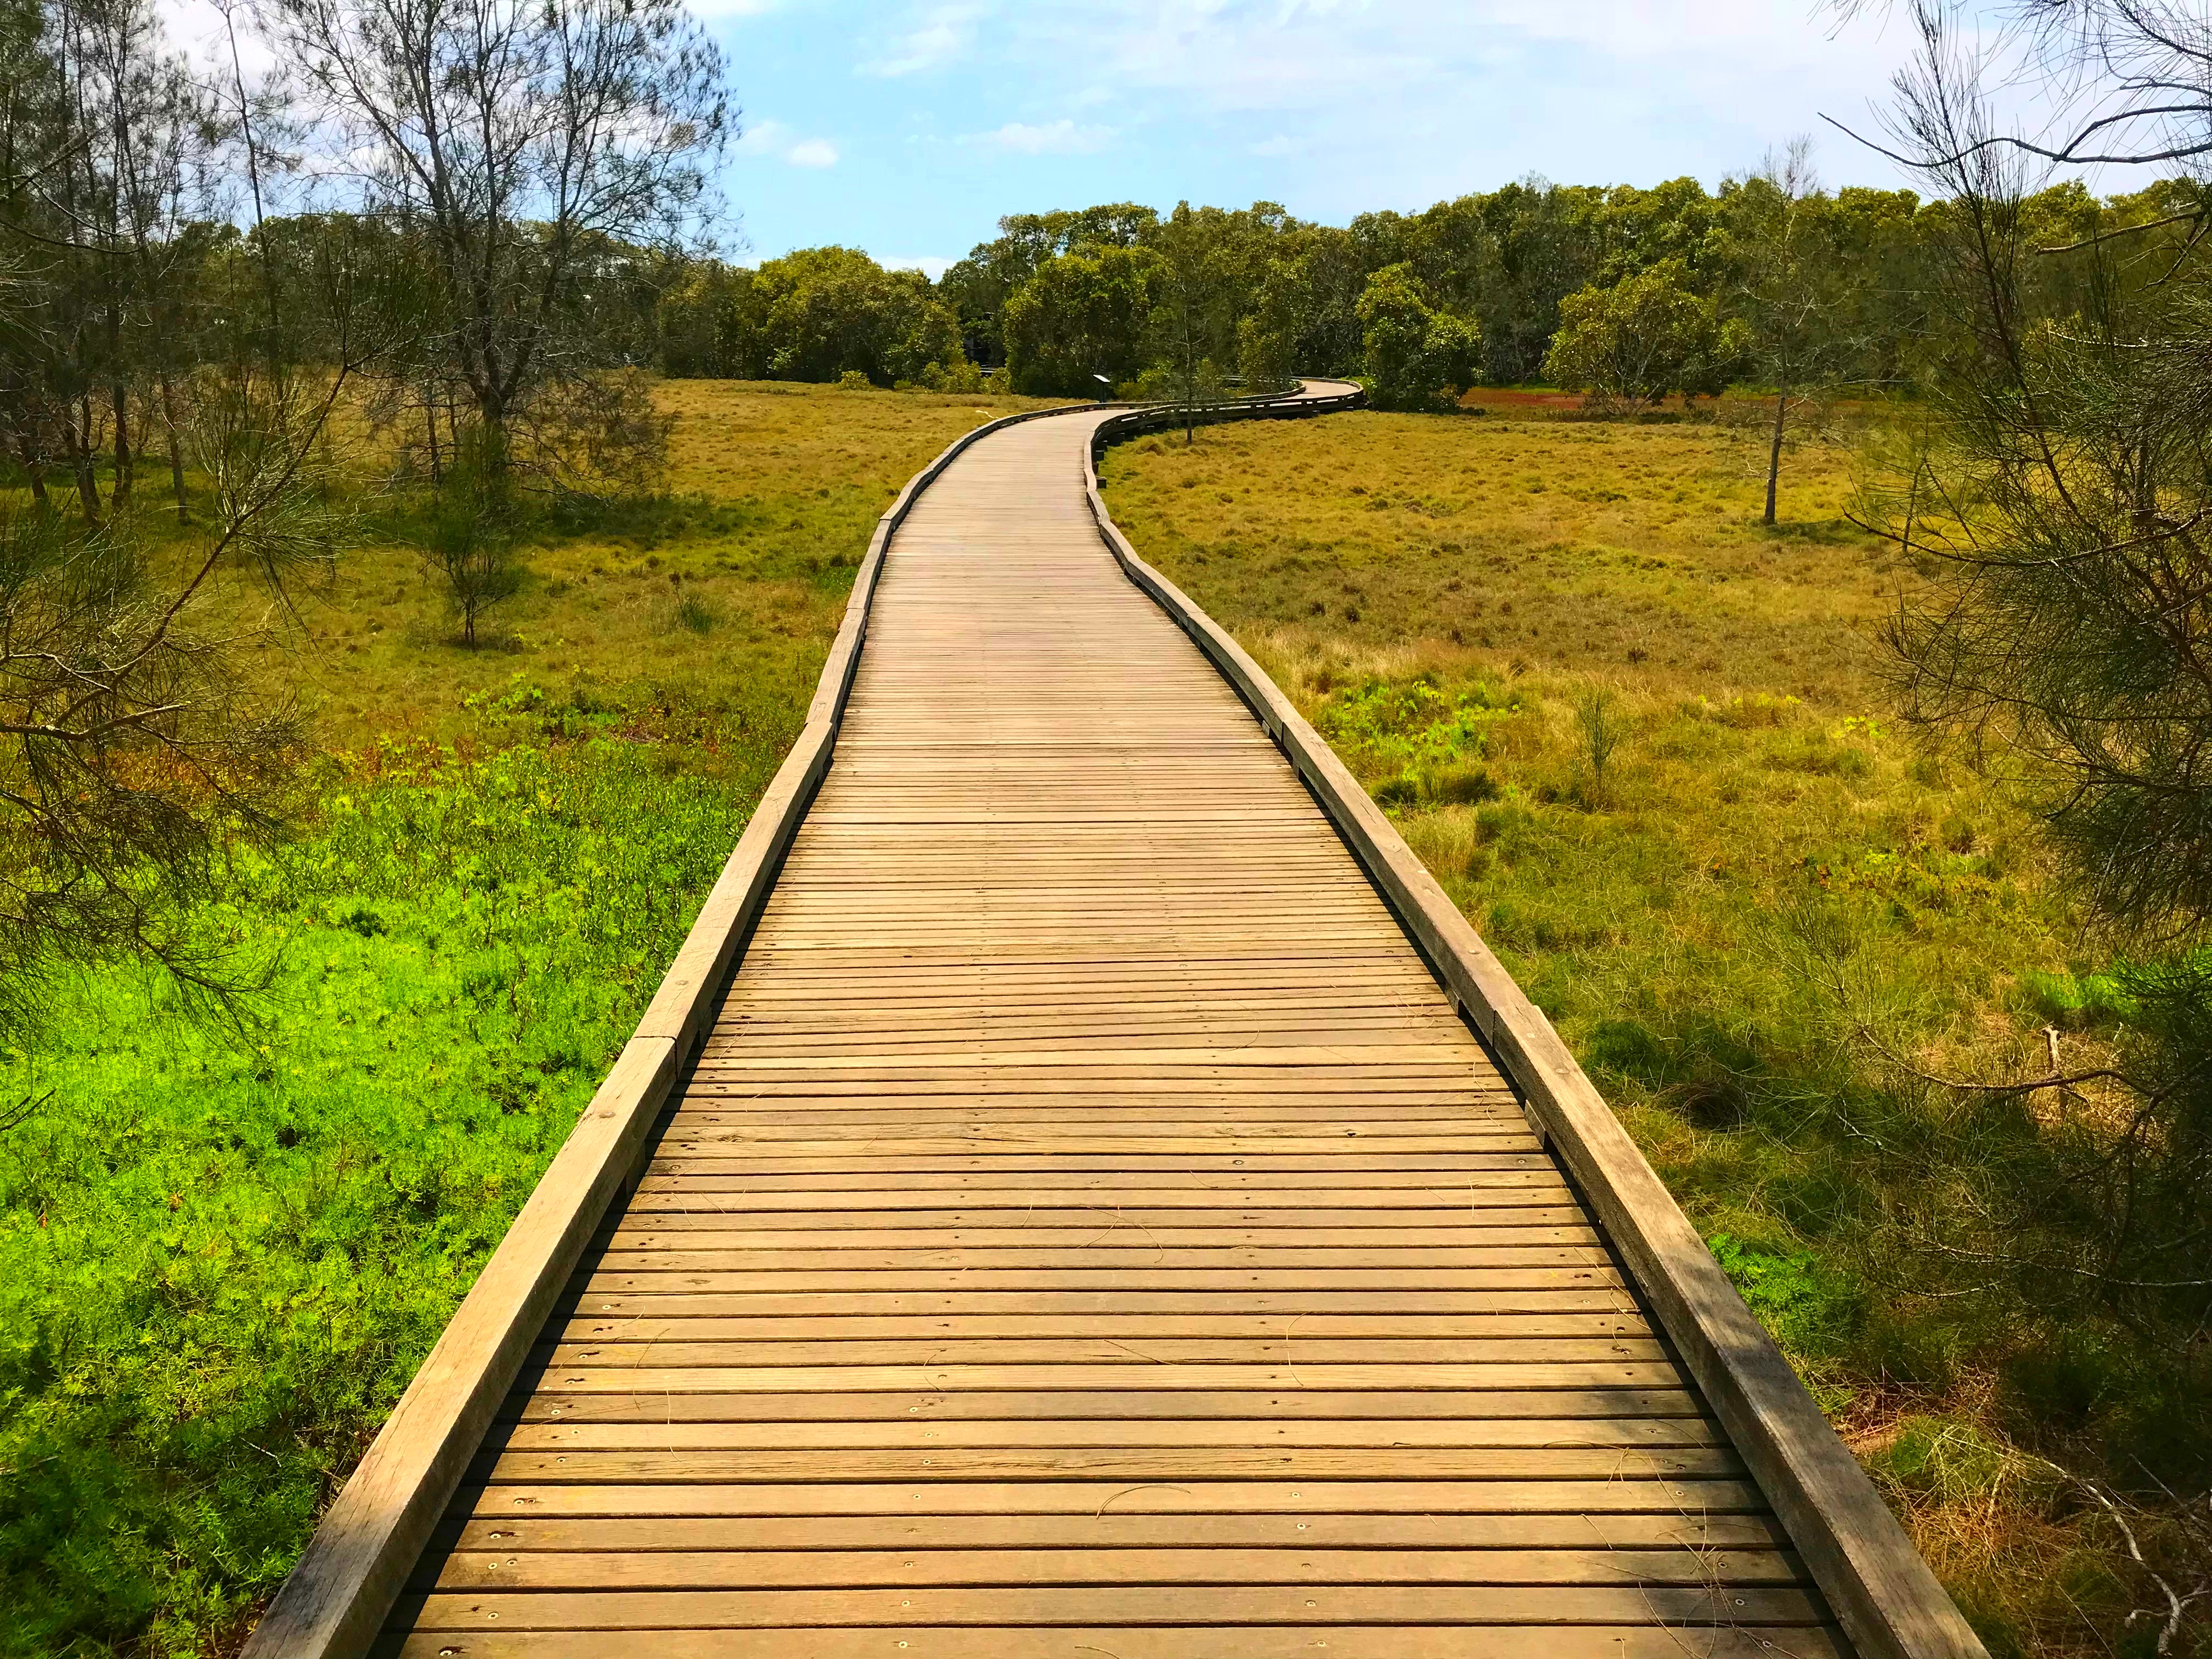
{"x":723,"y":598}
{"x":1630,"y":551}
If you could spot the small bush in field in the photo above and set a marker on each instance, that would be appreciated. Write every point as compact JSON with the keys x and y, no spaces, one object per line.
{"x":1462,"y":785}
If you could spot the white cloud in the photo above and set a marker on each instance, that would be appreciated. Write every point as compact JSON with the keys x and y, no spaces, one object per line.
{"x":1061,"y":137}
{"x":942,"y":35}
{"x":932,"y":265}
{"x":1280,"y":144}
{"x":762,"y":138}
{"x":772,"y":137}
{"x":1315,"y":57}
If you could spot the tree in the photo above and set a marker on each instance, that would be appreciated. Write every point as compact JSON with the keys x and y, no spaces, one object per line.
{"x":134,"y":761}
{"x":1419,"y":357}
{"x":1541,"y":247}
{"x":1080,"y":316}
{"x":2063,"y":487}
{"x":821,"y":311}
{"x":107,"y":143}
{"x":701,"y":320}
{"x":524,"y":138}
{"x":1303,"y":316}
{"x":1646,"y":337}
{"x":978,"y":286}
{"x":469,"y":542}
{"x":1194,"y":326}
{"x":1788,"y":291}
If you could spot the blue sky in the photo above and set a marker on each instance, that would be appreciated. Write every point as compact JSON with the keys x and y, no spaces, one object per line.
{"x":907,"y":127}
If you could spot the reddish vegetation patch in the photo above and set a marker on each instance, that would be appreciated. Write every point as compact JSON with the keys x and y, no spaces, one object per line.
{"x":1502,"y":398}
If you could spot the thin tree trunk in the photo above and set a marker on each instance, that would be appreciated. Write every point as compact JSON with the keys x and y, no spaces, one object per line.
{"x":121,"y":400}
{"x":176,"y":457}
{"x":38,"y":473}
{"x":1774,"y":452}
{"x":1189,"y":383}
{"x":430,"y":425}
{"x":117,"y":273}
{"x":491,"y":447}
{"x":80,"y":454}
{"x":253,"y":178}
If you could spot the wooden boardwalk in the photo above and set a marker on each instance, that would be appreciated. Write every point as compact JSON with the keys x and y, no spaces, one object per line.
{"x":1088,"y":1228}
{"x":1087,"y":1224}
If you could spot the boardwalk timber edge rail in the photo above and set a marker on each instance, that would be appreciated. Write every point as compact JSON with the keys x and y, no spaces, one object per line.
{"x":763,"y":1600}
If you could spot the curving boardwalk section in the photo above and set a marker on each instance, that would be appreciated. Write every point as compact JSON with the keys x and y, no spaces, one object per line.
{"x":1088,"y":1228}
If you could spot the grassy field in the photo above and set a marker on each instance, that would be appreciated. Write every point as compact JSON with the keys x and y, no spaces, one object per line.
{"x":1646,"y":744}
{"x":721,"y":595}
{"x":222,"y":1253}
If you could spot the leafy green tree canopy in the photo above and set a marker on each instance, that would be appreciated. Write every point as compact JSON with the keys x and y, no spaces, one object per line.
{"x":824,"y":310}
{"x":1418,"y":356}
{"x":1648,"y":336}
{"x":1082,"y":315}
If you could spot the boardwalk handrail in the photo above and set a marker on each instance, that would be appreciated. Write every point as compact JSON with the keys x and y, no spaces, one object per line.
{"x":357,"y":1562}
{"x":1884,"y":1594}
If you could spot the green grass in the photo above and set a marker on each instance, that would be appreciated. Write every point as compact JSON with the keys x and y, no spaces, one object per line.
{"x":1753,"y":923}
{"x":222,"y":1255}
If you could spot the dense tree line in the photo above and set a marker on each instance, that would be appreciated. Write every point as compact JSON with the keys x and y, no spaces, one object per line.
{"x":1631,"y":295}
{"x":512,"y":277}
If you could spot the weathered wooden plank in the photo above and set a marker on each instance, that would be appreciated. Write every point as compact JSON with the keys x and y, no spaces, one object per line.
{"x":1499,"y":1270}
{"x":507,"y":1569}
{"x":1329,"y":1307}
{"x":915,"y":1434}
{"x":1292,"y":1641}
{"x":1113,"y":1530}
{"x":1127,"y":1255}
{"x":1502,"y":1170}
{"x":694,"y":1466}
{"x":967,"y":1324}
{"x":1513,"y":1211}
{"x":1166,"y":1353}
{"x":1035,"y":1377}
{"x":666,"y":1191}
{"x":1316,"y":1604}
{"x":1679,"y":1499}
{"x":1495,"y":1412}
